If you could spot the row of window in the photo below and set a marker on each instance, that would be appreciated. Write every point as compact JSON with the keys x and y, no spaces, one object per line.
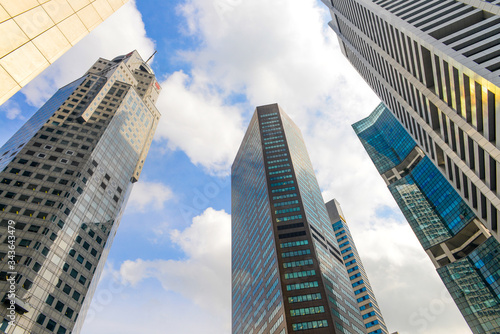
{"x":295,"y":209}
{"x":282,"y":190}
{"x":309,"y":325}
{"x":307,"y":311}
{"x":282,"y":177}
{"x":348,"y":249}
{"x":59,"y":306}
{"x":357,"y":283}
{"x":270,"y":162}
{"x":270,"y":122}
{"x":288,"y":218}
{"x":296,"y":253}
{"x":275,"y":151}
{"x":283,"y":183}
{"x":269,"y":126}
{"x":51,"y":324}
{"x":304,"y":298}
{"x":279,"y":166}
{"x":285,"y":203}
{"x":299,"y":274}
{"x":45,"y":166}
{"x":301,"y":286}
{"x":275,"y":156}
{"x":275,"y":146}
{"x":271,"y":132}
{"x":67,"y":290}
{"x":273,"y":137}
{"x":299,"y":263}
{"x":280,"y":171}
{"x":294,"y":243}
{"x":268,"y":115}
{"x":284,"y":196}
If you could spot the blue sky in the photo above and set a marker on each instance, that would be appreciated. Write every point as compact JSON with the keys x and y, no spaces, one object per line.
{"x":169,"y":268}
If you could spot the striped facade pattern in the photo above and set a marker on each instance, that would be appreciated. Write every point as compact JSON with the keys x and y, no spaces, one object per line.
{"x":436,"y":65}
{"x":367,"y":303}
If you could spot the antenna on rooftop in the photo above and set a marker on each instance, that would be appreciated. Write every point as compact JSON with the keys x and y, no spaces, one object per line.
{"x":151,"y":56}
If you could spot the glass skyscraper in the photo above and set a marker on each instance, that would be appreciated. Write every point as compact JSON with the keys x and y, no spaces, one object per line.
{"x":370,"y":311}
{"x":466,"y":255}
{"x":436,"y":66}
{"x":65,"y":178}
{"x":287,"y":269}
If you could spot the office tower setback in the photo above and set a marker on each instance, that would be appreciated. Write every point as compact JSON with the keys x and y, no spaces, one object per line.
{"x":287,"y":271}
{"x":436,"y":66}
{"x":370,"y":311}
{"x":66,"y":177}
{"x":33,"y":34}
{"x":462,"y":249}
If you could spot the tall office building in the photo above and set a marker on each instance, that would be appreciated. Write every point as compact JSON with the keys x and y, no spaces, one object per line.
{"x":287,"y":270}
{"x":370,"y":311}
{"x":66,"y":177}
{"x":33,"y":34}
{"x":436,"y":66}
{"x":465,"y":254}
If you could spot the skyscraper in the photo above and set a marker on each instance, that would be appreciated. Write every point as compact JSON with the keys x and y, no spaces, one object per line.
{"x":436,"y":66}
{"x":66,"y":177}
{"x":370,"y":311}
{"x":465,"y":254}
{"x":287,"y":270}
{"x":33,"y":34}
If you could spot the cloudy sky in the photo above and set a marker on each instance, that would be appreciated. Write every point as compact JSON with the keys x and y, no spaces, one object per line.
{"x":169,"y":267}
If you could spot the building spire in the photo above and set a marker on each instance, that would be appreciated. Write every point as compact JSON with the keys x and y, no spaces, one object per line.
{"x":151,"y":56}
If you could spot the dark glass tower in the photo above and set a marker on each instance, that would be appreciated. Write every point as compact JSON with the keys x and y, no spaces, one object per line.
{"x":66,"y":177}
{"x":370,"y":311}
{"x":287,"y":270}
{"x":466,"y":255}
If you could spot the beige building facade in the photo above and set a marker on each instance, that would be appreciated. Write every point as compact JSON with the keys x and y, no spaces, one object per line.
{"x":35,"y":33}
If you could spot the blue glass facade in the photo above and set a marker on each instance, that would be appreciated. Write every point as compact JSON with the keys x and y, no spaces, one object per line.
{"x":288,"y":275}
{"x":453,"y":237}
{"x":365,"y":297}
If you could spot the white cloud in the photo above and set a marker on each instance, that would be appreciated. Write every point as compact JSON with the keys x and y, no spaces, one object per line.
{"x":121,"y":33}
{"x":204,"y":276}
{"x":196,"y":120}
{"x":282,"y":51}
{"x":267,"y":52}
{"x":12,"y":110}
{"x":13,"y":113}
{"x":255,"y":52}
{"x":154,"y":310}
{"x":149,"y":194}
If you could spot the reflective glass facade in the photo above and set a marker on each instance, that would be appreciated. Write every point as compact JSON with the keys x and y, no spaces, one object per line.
{"x":287,"y":270}
{"x":370,"y":311}
{"x":436,"y":66}
{"x":65,"y":188}
{"x":453,"y":237}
